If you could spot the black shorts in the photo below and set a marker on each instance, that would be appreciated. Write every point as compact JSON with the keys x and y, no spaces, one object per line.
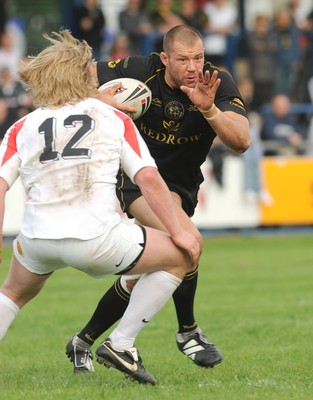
{"x":127,"y":192}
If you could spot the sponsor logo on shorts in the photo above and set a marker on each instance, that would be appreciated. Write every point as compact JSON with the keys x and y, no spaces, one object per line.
{"x":19,"y":249}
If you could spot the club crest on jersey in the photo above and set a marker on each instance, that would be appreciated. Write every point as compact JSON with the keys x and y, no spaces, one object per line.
{"x":174,"y":110}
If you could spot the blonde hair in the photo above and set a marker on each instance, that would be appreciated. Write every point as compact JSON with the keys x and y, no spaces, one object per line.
{"x":61,"y":73}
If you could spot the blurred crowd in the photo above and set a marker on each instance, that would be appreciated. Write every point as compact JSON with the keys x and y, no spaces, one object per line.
{"x":272,"y":63}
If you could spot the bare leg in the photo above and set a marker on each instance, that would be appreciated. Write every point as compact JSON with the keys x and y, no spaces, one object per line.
{"x":18,"y":289}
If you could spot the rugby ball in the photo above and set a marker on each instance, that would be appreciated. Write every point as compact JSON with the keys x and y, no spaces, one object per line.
{"x":133,"y":93}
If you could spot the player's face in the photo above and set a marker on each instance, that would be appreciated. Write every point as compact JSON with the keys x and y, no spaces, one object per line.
{"x":183,"y":64}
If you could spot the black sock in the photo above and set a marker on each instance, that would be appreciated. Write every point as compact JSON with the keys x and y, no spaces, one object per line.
{"x":183,"y":298}
{"x":109,"y":310}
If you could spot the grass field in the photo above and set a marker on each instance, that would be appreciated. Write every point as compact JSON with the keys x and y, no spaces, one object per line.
{"x":254,"y":301}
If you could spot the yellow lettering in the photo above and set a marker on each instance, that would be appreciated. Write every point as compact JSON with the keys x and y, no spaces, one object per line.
{"x":183,"y":140}
{"x":150,"y":133}
{"x":195,"y":138}
{"x":168,"y":138}
{"x":160,"y":137}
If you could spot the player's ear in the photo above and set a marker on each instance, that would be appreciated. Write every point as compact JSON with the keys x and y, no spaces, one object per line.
{"x":164,"y":58}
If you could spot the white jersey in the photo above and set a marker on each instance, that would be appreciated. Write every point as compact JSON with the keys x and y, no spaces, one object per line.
{"x":68,"y":159}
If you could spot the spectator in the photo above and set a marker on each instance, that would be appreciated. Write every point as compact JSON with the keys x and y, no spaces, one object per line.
{"x":14,"y":94}
{"x":90,"y":23}
{"x":3,"y":16}
{"x":120,"y":48}
{"x":9,"y":56}
{"x":299,"y":11}
{"x":222,"y":18}
{"x":163,"y":19}
{"x":193,"y":15}
{"x":217,"y":155}
{"x":289,"y":53}
{"x":280,"y":130}
{"x":306,"y":73}
{"x":253,"y":185}
{"x":309,"y":34}
{"x":308,"y":78}
{"x":134,"y":21}
{"x":261,"y":52}
{"x":7,"y":118}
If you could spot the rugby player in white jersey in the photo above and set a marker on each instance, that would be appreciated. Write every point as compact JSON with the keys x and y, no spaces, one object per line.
{"x":67,"y":153}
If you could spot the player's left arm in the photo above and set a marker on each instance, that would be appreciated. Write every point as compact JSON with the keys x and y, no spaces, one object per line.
{"x":222,"y":107}
{"x":233,"y":130}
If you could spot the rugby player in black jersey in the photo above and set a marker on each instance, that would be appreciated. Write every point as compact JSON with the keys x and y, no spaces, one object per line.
{"x":193,"y":102}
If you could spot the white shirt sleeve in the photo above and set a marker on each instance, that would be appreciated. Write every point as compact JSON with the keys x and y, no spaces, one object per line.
{"x":9,"y":160}
{"x":10,"y":170}
{"x":135,"y":153}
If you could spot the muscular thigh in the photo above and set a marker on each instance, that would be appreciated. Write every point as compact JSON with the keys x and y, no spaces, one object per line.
{"x":145,"y":216}
{"x":161,"y":254}
{"x":22,"y":285}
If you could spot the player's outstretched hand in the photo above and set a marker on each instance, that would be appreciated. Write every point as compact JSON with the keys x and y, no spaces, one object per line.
{"x":190,"y":244}
{"x":107,"y":96}
{"x":203,"y":94}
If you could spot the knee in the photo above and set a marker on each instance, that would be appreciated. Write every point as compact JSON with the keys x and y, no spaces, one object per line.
{"x":130,"y":284}
{"x":187,"y":266}
{"x":200,"y":241}
{"x":20,"y":295}
{"x":20,"y":299}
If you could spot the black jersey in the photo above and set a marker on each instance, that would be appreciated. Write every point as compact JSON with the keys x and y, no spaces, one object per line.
{"x":178,"y":136}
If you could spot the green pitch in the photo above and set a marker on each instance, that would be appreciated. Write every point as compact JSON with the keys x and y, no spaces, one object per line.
{"x":254,"y":301}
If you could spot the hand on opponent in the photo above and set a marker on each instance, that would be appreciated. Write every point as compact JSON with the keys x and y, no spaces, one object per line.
{"x":190,"y":244}
{"x":107,"y":96}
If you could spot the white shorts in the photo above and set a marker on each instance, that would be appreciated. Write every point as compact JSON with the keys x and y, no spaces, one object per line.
{"x":115,"y":253}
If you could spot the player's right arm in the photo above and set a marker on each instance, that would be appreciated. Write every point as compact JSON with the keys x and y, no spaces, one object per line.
{"x":107,"y":96}
{"x":9,"y":168}
{"x":142,"y":170}
{"x":159,"y":199}
{"x":9,"y":159}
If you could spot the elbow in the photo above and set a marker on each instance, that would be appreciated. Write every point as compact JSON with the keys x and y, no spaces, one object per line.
{"x":243,"y":146}
{"x":243,"y":138}
{"x":146,"y":176}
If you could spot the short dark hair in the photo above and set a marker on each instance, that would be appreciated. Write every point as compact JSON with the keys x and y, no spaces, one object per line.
{"x":182,"y":33}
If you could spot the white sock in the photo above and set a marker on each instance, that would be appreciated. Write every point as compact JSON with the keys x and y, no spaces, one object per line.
{"x":8,"y":312}
{"x":149,"y":295}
